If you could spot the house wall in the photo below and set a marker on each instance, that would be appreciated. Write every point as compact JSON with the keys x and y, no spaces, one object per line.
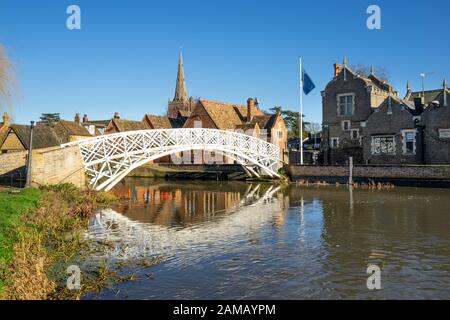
{"x":12,"y":161}
{"x":111,"y":128}
{"x":381,"y":123}
{"x":437,"y":150}
{"x":11,"y":144}
{"x":366,"y":97}
{"x":199,"y":114}
{"x":281,"y":143}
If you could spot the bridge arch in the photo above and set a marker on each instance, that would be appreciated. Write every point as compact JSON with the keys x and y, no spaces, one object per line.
{"x":109,"y":158}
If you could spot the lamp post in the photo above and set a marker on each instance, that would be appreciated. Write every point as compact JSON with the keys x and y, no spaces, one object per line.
{"x":30,"y":152}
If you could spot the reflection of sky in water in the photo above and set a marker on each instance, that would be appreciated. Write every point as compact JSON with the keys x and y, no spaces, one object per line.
{"x":290,"y":243}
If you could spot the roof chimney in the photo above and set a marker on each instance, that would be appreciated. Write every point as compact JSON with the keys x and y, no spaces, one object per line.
{"x":251,"y":109}
{"x":85,"y":118}
{"x":5,"y":120}
{"x":116,"y":115}
{"x":337,"y":69}
{"x":77,"y":118}
{"x":419,"y":104}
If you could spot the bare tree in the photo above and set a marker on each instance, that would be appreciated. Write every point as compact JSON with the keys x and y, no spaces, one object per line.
{"x":6,"y":80}
{"x":380,"y":71}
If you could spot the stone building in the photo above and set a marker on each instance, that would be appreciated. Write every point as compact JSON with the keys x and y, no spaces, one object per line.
{"x":181,"y":105}
{"x":18,"y":138}
{"x":363,"y":117}
{"x":391,"y":136}
{"x":435,"y":121}
{"x":347,"y":101}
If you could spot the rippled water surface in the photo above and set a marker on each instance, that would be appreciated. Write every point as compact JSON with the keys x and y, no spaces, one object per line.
{"x":236,"y":240}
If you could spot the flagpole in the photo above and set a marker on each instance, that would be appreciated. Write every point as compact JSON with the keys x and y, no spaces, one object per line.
{"x":301,"y":112}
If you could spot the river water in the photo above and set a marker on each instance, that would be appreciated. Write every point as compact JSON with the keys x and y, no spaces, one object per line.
{"x":237,"y":240}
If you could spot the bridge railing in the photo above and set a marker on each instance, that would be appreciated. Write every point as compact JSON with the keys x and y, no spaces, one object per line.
{"x":110,"y":157}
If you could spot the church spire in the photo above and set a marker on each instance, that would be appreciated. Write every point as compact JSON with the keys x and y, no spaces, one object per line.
{"x":180,"y":90}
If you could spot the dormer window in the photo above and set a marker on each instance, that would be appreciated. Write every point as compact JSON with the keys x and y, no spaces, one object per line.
{"x":346,"y":103}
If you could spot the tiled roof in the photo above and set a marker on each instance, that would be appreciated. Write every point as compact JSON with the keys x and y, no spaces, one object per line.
{"x":158,"y":122}
{"x":224,"y":115}
{"x":430,"y":95}
{"x":130,"y":125}
{"x":43,"y":136}
{"x":74,"y":128}
{"x":98,"y":123}
{"x":266,"y":121}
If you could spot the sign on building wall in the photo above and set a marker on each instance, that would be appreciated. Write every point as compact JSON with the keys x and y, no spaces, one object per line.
{"x":444,"y":133}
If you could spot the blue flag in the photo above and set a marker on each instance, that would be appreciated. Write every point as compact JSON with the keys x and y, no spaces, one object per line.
{"x":308,"y":85}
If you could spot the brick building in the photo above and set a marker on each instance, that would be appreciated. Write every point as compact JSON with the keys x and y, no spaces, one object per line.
{"x":116,"y":125}
{"x":247,"y":119}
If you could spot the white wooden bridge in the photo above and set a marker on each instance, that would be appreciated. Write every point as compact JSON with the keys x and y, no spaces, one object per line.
{"x":109,"y":158}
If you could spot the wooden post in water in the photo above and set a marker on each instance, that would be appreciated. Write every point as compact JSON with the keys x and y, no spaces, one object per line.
{"x":350,"y":178}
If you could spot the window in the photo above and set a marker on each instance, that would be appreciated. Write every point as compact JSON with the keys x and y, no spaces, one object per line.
{"x":213,"y":153}
{"x":383,"y":145}
{"x":444,"y":133}
{"x":345,"y":104}
{"x":409,"y":141}
{"x":334,"y":143}
{"x":345,"y":125}
{"x":355,"y":134}
{"x":280,"y":134}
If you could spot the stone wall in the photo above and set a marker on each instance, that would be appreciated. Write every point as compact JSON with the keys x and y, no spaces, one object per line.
{"x":12,"y":161}
{"x":377,"y":173}
{"x":437,"y":149}
{"x":58,"y":165}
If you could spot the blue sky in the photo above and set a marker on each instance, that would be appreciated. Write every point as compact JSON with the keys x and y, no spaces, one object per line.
{"x":125,"y":56}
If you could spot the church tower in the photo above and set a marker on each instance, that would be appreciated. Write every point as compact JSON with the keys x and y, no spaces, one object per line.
{"x":181,"y":101}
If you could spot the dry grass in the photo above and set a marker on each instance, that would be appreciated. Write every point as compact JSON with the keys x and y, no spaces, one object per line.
{"x":51,"y":236}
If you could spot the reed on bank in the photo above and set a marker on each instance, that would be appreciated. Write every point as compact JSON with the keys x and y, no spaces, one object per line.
{"x":41,"y":230}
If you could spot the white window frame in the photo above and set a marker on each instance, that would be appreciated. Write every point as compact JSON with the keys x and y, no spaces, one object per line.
{"x":383,"y":154}
{"x":357,"y":134}
{"x":404,"y":150}
{"x":444,"y":133}
{"x":343,"y":122}
{"x":339,"y":104}
{"x":331,"y":142}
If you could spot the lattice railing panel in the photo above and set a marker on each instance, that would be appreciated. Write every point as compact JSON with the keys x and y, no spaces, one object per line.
{"x":109,"y":158}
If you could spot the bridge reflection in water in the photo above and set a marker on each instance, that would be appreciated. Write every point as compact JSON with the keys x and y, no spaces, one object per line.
{"x":167,"y":218}
{"x":233,"y":240}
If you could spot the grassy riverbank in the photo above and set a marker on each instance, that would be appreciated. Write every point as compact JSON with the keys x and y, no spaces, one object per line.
{"x":40,"y":232}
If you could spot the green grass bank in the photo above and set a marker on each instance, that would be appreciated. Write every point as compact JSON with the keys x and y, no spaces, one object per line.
{"x":41,"y":231}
